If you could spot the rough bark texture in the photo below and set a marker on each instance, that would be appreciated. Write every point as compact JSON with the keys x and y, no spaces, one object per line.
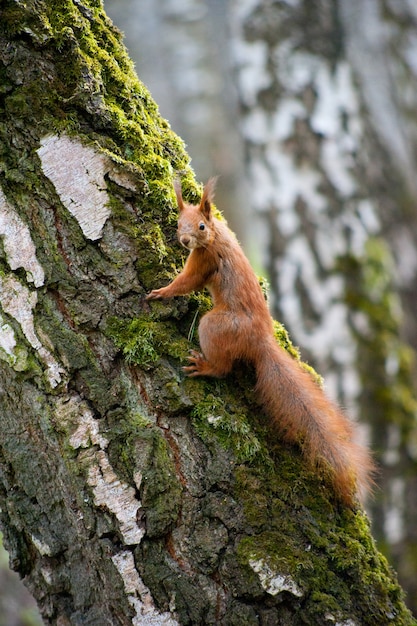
{"x":325,"y":91}
{"x":129,"y":495}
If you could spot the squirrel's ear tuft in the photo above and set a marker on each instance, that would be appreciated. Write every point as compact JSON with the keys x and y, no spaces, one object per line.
{"x":178,"y":193}
{"x":207,"y":197}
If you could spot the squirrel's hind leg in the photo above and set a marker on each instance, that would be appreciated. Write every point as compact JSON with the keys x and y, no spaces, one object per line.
{"x":199,"y":366}
{"x":217,"y":334}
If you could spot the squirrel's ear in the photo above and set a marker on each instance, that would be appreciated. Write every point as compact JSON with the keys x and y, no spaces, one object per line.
{"x":178,"y":193}
{"x":207,"y":197}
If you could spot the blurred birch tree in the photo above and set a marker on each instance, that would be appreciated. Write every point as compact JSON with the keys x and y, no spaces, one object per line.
{"x":328,"y":95}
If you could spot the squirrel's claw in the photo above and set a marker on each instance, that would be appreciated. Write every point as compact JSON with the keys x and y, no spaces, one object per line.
{"x":196,"y":364}
{"x":194,"y":355}
{"x":154,"y":295}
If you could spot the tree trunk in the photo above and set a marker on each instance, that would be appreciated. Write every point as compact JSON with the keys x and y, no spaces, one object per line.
{"x":325,"y":92}
{"x":129,"y":494}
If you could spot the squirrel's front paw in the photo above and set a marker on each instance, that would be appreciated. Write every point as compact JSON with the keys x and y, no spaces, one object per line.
{"x":197,"y":364}
{"x":155,"y":294}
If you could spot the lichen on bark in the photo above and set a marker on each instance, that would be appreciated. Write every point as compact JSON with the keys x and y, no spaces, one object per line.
{"x":130,"y":494}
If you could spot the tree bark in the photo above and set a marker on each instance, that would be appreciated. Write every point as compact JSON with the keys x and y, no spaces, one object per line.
{"x":325,"y":95}
{"x":129,"y":494}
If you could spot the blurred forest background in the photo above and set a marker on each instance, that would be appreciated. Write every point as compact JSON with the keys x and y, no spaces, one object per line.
{"x":308,"y":112}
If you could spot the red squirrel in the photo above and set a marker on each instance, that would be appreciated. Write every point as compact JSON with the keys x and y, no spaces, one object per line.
{"x":240,"y":327}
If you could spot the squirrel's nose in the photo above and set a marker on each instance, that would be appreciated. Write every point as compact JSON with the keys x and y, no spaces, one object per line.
{"x":185,"y":240}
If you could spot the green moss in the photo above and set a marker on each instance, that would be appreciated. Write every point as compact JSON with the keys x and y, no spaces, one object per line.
{"x":94,"y":73}
{"x":285,"y":558}
{"x":143,"y":340}
{"x":231,"y":428}
{"x":154,"y":238}
{"x":327,"y":552}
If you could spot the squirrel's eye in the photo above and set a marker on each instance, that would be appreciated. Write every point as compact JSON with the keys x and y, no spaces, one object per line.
{"x":202,"y":226}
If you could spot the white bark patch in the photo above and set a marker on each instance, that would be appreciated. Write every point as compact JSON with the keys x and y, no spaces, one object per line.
{"x":46,"y":572}
{"x":117,"y":497}
{"x":347,"y":622}
{"x":7,"y":338}
{"x":41,"y":546}
{"x":273,"y":582}
{"x":395,"y":514}
{"x":393,"y":451}
{"x":139,"y":595}
{"x":109,"y":491}
{"x":243,"y":8}
{"x":87,"y":432}
{"x":252,"y":60}
{"x":77,"y":173}
{"x":122,"y":179}
{"x":406,"y":257}
{"x":70,"y":411}
{"x":19,"y":302}
{"x":18,"y":245}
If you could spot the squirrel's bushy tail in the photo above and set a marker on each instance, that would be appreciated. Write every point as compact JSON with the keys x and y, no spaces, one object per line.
{"x":304,"y":415}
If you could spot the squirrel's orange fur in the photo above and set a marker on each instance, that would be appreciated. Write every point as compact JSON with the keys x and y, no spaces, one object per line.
{"x":240,"y":327}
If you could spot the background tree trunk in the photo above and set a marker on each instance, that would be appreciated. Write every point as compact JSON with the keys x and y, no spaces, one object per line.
{"x":128,"y":494}
{"x":328,"y":100}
